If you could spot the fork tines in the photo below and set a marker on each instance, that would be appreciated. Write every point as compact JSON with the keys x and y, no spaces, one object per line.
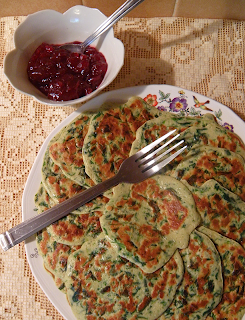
{"x":154,"y":157}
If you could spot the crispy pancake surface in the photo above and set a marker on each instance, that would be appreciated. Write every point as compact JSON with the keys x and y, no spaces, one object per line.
{"x":148,"y":221}
{"x":232,"y":305}
{"x":202,"y":285}
{"x":75,"y":229}
{"x":102,"y":285}
{"x":214,"y":135}
{"x":66,"y":149}
{"x":72,"y":230}
{"x":155,"y":128}
{"x":221,"y":210}
{"x":60,"y":188}
{"x":54,"y":254}
{"x":110,"y":136}
{"x":205,"y":163}
{"x":196,"y":132}
{"x":42,"y":200}
{"x":57,"y":185}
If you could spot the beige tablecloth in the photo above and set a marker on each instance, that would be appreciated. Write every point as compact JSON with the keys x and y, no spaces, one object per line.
{"x":205,"y":56}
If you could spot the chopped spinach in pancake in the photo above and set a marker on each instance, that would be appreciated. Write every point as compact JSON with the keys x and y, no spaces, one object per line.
{"x":221,"y":210}
{"x":54,"y":254}
{"x":60,"y":188}
{"x":232,"y":305}
{"x":148,"y":221}
{"x":110,"y":136}
{"x":59,"y":284}
{"x":66,"y":150}
{"x":42,"y":199}
{"x":155,"y":128}
{"x":57,"y":185}
{"x":102,"y":285}
{"x":202,"y":285}
{"x":75,"y":229}
{"x":196,"y":132}
{"x":214,"y":135}
{"x":205,"y":163}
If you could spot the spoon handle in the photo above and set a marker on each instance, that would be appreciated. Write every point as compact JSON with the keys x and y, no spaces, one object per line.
{"x":110,"y":21}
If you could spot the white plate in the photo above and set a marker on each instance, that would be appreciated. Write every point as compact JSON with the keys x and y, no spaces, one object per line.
{"x":167,"y":97}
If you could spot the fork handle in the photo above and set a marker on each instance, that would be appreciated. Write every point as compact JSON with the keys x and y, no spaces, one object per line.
{"x":25,"y":229}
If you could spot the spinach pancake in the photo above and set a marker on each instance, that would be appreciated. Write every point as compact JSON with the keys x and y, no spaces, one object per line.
{"x":202,"y":286}
{"x":232,"y":305}
{"x":110,"y":136}
{"x":148,"y":221}
{"x":102,"y":285}
{"x":205,"y":163}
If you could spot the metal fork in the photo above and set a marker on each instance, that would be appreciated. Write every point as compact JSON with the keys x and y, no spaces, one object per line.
{"x":134,"y":169}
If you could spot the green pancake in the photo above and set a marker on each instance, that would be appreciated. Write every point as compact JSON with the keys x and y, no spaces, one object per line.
{"x":202,"y":285}
{"x":214,"y":135}
{"x":221,"y":210}
{"x":59,"y":284}
{"x":157,"y":127}
{"x":66,"y":150}
{"x":60,"y":188}
{"x":102,"y":285}
{"x":55,"y":255}
{"x":148,"y":221}
{"x":57,"y":185}
{"x":110,"y":136}
{"x":196,"y":132}
{"x":75,"y":229}
{"x":232,"y":305}
{"x":222,"y":165}
{"x":43,"y":200}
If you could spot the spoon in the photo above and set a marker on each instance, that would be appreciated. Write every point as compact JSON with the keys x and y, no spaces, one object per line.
{"x":107,"y":24}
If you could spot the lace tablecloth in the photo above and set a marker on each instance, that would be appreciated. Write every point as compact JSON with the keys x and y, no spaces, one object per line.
{"x":205,"y":56}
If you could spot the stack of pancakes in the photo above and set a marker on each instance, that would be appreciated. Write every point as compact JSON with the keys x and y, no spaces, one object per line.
{"x":170,"y":247}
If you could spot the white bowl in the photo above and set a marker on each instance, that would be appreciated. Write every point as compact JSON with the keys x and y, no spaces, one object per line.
{"x":52,"y":27}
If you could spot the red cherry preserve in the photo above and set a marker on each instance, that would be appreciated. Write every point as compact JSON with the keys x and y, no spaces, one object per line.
{"x":62,"y":75}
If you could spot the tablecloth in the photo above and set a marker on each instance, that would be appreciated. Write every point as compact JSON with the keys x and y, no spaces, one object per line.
{"x":202,"y":55}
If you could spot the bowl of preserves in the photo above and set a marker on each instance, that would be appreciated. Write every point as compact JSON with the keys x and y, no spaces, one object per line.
{"x":41,"y":68}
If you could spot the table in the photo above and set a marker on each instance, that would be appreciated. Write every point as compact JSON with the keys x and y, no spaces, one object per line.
{"x":202,"y":55}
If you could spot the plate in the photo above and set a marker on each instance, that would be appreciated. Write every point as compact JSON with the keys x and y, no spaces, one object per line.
{"x":164,"y":97}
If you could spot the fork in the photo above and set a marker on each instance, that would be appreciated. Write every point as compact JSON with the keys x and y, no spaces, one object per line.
{"x":140,"y":166}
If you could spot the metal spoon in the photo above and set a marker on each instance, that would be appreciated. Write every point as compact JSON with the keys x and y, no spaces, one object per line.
{"x":107,"y":24}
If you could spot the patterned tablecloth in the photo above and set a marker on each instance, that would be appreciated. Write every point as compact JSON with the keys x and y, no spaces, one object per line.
{"x":205,"y":56}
